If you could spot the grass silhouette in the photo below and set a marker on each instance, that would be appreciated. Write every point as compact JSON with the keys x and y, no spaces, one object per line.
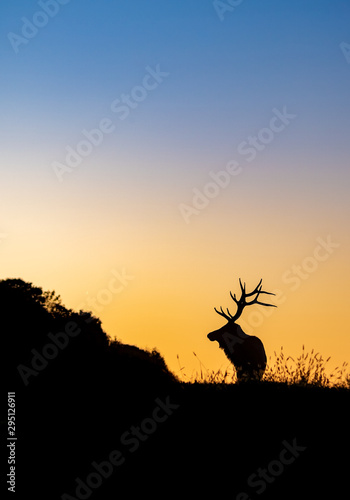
{"x":308,"y":369}
{"x":77,"y":406}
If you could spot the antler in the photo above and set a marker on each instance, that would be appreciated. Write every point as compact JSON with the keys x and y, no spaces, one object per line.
{"x":242,"y":302}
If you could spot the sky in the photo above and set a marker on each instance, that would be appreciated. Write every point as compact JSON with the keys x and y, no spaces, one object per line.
{"x":153,"y":152}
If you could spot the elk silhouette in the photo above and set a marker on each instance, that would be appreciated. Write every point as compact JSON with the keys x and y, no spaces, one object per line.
{"x":246,"y":352}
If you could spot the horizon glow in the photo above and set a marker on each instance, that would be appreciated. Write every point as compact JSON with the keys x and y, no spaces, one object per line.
{"x":184,"y":145}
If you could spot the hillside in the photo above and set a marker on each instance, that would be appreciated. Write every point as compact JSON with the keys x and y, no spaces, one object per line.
{"x":98,"y":419}
{"x":269,"y":441}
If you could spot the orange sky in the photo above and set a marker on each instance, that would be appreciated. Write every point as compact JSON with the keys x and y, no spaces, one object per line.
{"x":175,"y":273}
{"x":243,"y":120}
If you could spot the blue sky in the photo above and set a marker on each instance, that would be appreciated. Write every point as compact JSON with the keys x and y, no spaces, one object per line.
{"x":120,"y":206}
{"x":223,"y":75}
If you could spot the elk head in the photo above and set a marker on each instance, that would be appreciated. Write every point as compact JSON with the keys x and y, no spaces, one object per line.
{"x":246,"y":352}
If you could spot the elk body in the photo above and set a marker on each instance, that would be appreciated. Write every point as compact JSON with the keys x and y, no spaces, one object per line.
{"x":246,"y":352}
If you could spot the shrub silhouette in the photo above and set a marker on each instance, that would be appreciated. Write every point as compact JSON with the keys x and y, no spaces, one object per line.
{"x":73,"y":413}
{"x":30,"y":317}
{"x":92,"y":387}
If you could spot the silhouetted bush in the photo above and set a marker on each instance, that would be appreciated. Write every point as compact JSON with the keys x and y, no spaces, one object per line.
{"x":32,"y":319}
{"x":73,"y":412}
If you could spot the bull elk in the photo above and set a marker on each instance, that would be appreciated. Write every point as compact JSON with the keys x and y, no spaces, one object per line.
{"x":246,"y":352}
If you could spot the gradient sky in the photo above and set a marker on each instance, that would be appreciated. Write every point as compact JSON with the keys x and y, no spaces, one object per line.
{"x":283,"y":216}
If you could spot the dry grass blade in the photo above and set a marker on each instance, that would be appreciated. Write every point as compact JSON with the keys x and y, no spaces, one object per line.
{"x":308,"y":369}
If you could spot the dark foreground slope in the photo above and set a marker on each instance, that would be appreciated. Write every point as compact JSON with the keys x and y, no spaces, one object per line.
{"x":245,"y":442}
{"x":102,"y":420}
